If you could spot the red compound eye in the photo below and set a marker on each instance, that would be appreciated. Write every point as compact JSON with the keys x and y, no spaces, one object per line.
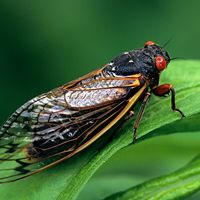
{"x":149,"y":43}
{"x":161,"y":63}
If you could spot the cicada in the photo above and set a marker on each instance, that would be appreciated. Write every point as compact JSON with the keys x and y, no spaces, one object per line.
{"x":60,"y":123}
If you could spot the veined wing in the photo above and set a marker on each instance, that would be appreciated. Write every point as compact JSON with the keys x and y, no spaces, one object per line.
{"x":54,"y":126}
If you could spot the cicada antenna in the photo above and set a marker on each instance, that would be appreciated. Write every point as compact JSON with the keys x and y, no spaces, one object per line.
{"x":177,"y":58}
{"x":168,"y":41}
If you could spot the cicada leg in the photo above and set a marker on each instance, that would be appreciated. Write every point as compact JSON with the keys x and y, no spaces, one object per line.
{"x":163,"y":91}
{"x":140,"y":114}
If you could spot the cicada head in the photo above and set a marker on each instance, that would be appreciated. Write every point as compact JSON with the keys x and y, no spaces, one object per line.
{"x":153,"y":59}
{"x":159,"y":56}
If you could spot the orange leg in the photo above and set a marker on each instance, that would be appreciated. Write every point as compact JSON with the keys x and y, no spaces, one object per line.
{"x":163,"y":91}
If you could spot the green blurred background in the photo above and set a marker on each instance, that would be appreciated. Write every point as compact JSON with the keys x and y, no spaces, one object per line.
{"x":44,"y":44}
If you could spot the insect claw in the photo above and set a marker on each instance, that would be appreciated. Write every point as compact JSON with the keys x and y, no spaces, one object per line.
{"x":180,"y":112}
{"x":134,"y":136}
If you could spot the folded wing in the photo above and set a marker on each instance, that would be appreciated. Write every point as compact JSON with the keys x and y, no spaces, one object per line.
{"x":56,"y":125}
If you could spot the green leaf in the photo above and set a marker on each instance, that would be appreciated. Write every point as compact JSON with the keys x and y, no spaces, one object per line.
{"x":179,"y":184}
{"x":67,"y":179}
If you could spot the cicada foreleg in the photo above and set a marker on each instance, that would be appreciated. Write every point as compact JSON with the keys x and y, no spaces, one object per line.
{"x":163,"y":91}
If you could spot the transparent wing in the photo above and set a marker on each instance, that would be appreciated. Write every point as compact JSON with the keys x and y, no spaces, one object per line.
{"x":53,"y":126}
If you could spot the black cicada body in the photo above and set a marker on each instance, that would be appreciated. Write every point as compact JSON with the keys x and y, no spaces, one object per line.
{"x":66,"y":120}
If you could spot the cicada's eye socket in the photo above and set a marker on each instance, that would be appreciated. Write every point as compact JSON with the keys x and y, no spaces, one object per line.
{"x":149,"y":43}
{"x":161,"y":63}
